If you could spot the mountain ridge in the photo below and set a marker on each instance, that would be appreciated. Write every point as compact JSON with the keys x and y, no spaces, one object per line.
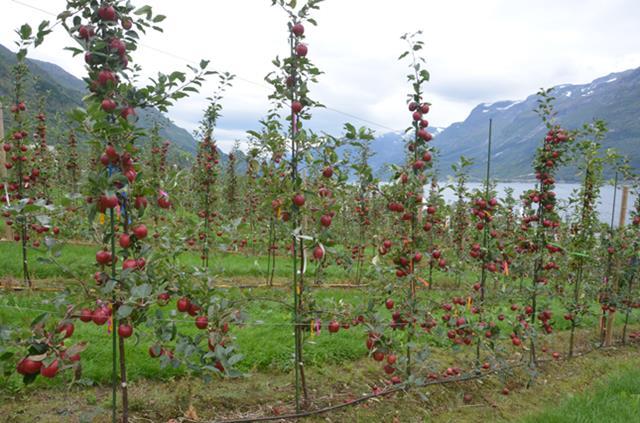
{"x":65,"y":92}
{"x":517,"y":130}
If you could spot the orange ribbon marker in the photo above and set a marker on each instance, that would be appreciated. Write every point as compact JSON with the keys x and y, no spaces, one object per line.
{"x":425,"y":283}
{"x":110,"y":323}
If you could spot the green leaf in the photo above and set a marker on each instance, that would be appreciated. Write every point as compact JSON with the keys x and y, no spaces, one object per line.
{"x":124,"y":311}
{"x":141,"y":291}
{"x":6,"y":355}
{"x":41,"y":318}
{"x":28,"y":379}
{"x":235,"y":359}
{"x":44,"y":220}
{"x":25,"y":31}
{"x":144,"y":10}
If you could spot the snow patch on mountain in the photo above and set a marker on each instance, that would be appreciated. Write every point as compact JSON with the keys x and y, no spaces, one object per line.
{"x":512,"y":103}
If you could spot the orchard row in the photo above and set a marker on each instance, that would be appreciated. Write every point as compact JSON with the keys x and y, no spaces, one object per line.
{"x":310,"y":198}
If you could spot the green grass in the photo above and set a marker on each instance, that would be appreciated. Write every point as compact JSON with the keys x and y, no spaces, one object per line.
{"x":80,"y":261}
{"x":615,"y":399}
{"x":266,"y":341}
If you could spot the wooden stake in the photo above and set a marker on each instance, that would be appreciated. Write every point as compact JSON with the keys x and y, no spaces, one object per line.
{"x":3,"y":155}
{"x":608,"y":339}
{"x":623,"y":205}
{"x":611,"y":316}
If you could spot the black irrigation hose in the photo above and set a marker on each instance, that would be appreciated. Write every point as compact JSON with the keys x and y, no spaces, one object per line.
{"x":470,"y":376}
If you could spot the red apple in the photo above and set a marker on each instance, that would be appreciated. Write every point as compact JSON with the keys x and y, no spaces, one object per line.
{"x":86,"y":315}
{"x":125,"y":330}
{"x":105,"y":77}
{"x":298,"y":200}
{"x":67,"y":328}
{"x":51,"y":370}
{"x":301,"y":50}
{"x":163,"y":297}
{"x":183,"y":304}
{"x":124,"y":240}
{"x":325,"y":220}
{"x":108,"y":105}
{"x":140,"y":231}
{"x":129,"y":264}
{"x":296,"y":107}
{"x":103,"y":257}
{"x":85,"y":32}
{"x":107,"y":13}
{"x":100,"y":317}
{"x":27,"y":366}
{"x":155,"y":351}
{"x":202,"y":322}
{"x":297,"y":29}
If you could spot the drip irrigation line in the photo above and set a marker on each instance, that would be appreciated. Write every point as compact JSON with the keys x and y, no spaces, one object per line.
{"x":475,"y":375}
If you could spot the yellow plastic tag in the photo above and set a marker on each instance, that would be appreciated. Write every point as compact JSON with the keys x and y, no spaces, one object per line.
{"x":101,"y":218}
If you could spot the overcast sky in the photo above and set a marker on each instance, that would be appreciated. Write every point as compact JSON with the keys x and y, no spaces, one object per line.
{"x":477,"y":51}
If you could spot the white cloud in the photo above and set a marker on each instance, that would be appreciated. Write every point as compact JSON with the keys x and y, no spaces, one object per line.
{"x":476,"y":52}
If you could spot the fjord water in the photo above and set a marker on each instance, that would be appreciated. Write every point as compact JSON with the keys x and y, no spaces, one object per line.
{"x":563,"y":193}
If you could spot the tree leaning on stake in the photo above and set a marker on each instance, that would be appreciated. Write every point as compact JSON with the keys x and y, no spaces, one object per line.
{"x":405,"y":202}
{"x":609,"y":294}
{"x":231,"y":183}
{"x":20,"y":206}
{"x":106,"y":34}
{"x":155,"y":168}
{"x":585,"y":221}
{"x":460,"y":216}
{"x":540,"y":223}
{"x":266,"y":193}
{"x":207,"y":173}
{"x":630,"y":294}
{"x":291,"y":84}
{"x":433,"y":226}
{"x":15,"y":197}
{"x":71,"y":163}
{"x":361,"y":140}
{"x":484,"y":209}
{"x":44,"y":341}
{"x":324,"y":176}
{"x":419,"y":156}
